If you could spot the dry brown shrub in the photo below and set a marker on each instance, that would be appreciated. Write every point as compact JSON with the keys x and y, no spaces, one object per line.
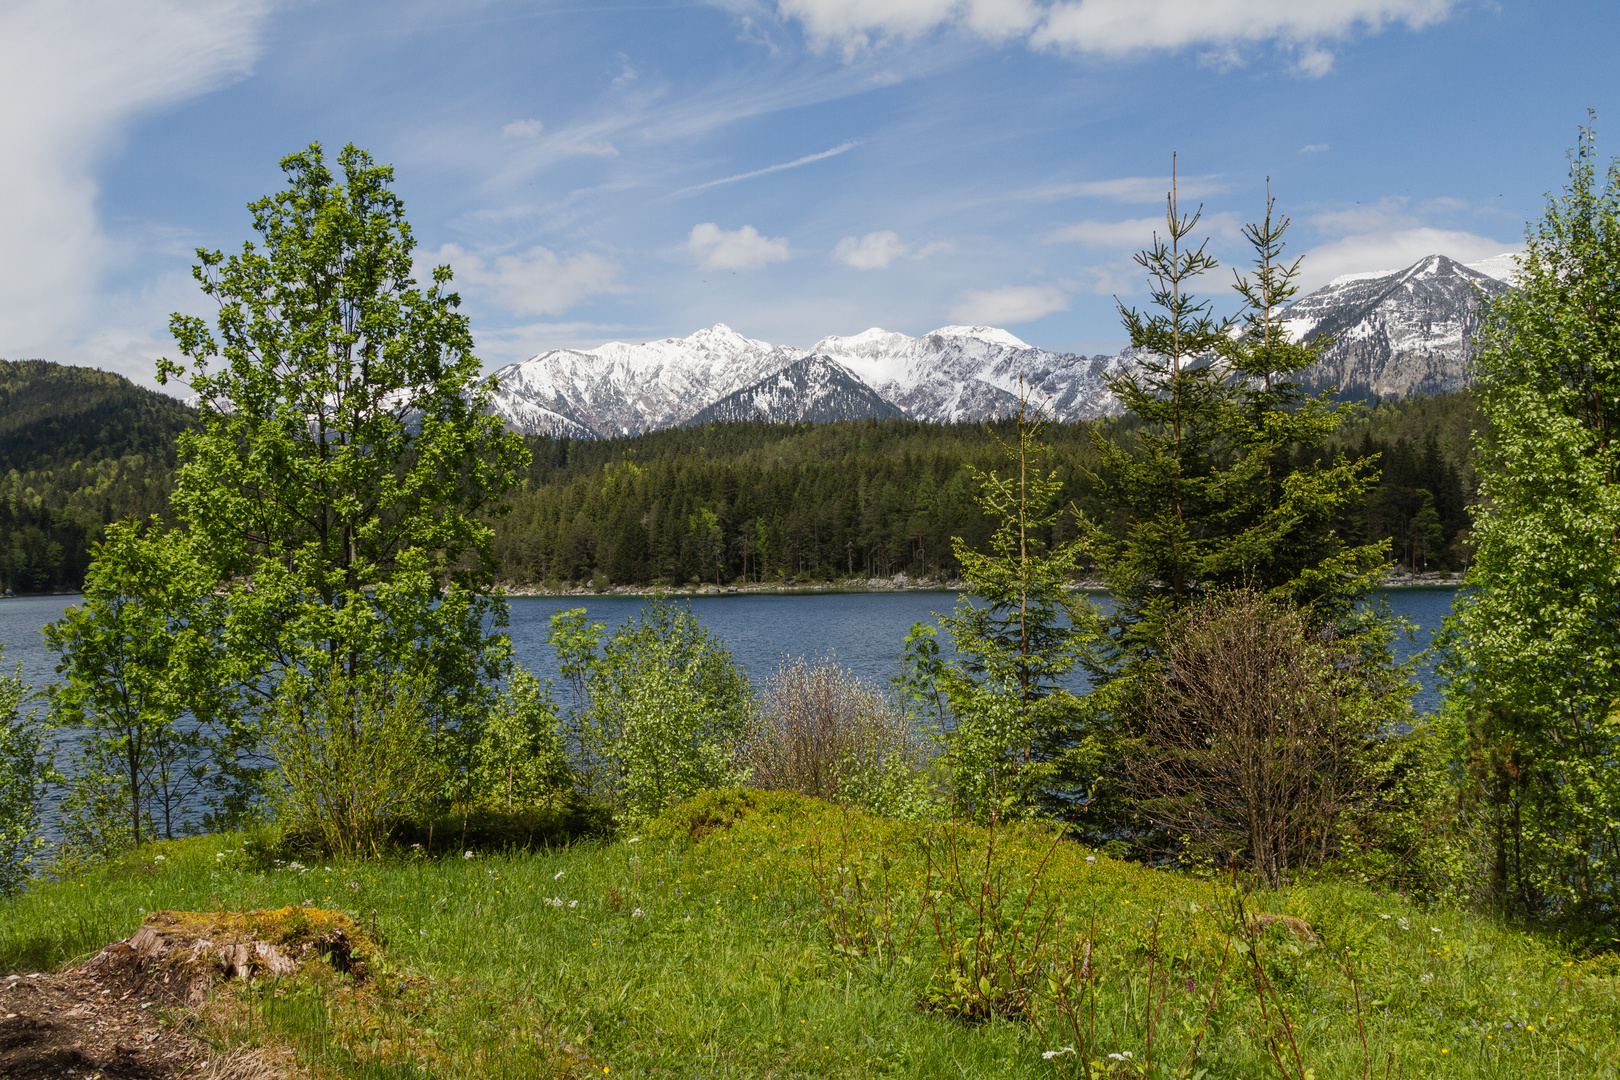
{"x":819,"y":730}
{"x":1261,"y":740}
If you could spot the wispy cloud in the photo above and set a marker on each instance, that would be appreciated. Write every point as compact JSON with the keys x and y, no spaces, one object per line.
{"x":1138,"y":232}
{"x":739,"y":249}
{"x":794,"y":164}
{"x":74,"y":73}
{"x":876,"y":250}
{"x":534,"y":282}
{"x":1009,"y":304}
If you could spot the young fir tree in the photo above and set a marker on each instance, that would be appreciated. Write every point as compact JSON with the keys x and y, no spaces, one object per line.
{"x":1534,"y":664}
{"x":1009,"y":725}
{"x":1216,"y":488}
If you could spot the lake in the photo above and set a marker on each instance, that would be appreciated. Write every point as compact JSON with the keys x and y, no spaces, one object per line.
{"x":863,"y":631}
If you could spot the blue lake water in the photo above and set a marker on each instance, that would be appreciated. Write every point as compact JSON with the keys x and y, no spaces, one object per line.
{"x":863,"y":631}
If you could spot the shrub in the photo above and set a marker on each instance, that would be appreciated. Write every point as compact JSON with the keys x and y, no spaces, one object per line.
{"x":356,"y":755}
{"x":1263,"y":735}
{"x":518,"y":761}
{"x":819,"y":730}
{"x":21,"y":772}
{"x":658,"y":712}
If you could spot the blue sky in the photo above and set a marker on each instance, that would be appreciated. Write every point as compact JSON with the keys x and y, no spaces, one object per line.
{"x":793,"y":168}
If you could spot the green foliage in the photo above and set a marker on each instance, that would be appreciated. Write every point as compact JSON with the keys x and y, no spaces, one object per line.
{"x":791,"y":502}
{"x":23,"y":771}
{"x":518,"y":762}
{"x":660,"y":712}
{"x":355,"y":755}
{"x":1005,"y":720}
{"x":1535,"y":660}
{"x":139,"y":660}
{"x":346,"y":469}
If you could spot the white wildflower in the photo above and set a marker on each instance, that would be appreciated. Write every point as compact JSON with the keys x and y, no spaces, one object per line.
{"x":636,"y":914}
{"x":558,"y":876}
{"x":573,"y":903}
{"x":1123,"y":1055}
{"x":1050,"y":1054}
{"x":1091,"y":858}
{"x":467,"y":855}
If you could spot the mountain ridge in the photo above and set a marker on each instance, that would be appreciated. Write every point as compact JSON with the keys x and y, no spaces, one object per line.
{"x":1396,"y":333}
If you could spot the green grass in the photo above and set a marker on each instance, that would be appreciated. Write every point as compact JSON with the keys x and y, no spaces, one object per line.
{"x":726,"y":971}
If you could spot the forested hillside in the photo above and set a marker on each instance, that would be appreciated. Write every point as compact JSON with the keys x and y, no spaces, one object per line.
{"x":724,"y":502}
{"x":78,"y":448}
{"x":763,"y":502}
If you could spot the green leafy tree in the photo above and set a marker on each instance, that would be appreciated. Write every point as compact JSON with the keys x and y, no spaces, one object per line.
{"x":23,"y":771}
{"x":139,"y":660}
{"x":347,"y":468}
{"x":519,"y":762}
{"x":664,"y":708}
{"x":1535,"y":642}
{"x":1006,"y":720}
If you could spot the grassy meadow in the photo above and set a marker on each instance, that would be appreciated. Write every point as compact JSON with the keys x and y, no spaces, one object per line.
{"x":730,"y":939}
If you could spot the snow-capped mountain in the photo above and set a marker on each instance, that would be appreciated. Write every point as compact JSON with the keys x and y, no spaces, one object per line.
{"x":954,"y":373}
{"x":619,"y":389}
{"x":814,"y":390}
{"x":1398,"y":332}
{"x":972,"y":373}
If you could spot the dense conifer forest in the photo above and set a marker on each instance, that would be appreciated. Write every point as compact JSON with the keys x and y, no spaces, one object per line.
{"x":724,"y":503}
{"x":763,"y":502}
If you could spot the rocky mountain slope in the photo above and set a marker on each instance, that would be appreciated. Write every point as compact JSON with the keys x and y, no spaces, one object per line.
{"x":1395,"y":333}
{"x":813,"y":390}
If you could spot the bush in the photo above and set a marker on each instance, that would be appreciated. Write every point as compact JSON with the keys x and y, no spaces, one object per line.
{"x":1263,"y":735}
{"x":21,"y":773}
{"x":820,"y":731}
{"x":356,"y":755}
{"x":658,"y":712}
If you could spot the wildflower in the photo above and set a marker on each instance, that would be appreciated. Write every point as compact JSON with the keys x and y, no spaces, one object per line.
{"x":159,"y":858}
{"x":467,"y":855}
{"x":1428,"y":977}
{"x":634,"y":840}
{"x":352,"y":884}
{"x":636,"y":914}
{"x":1191,"y":984}
{"x":1123,"y":1055}
{"x":1434,"y":929}
{"x":575,"y":904}
{"x":1386,"y":916}
{"x":558,"y":876}
{"x":1091,"y":858}
{"x":1050,"y":1054}
{"x":1405,"y":925}
{"x":423,"y":932}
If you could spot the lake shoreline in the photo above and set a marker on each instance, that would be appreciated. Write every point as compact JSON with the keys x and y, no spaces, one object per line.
{"x":897,"y":584}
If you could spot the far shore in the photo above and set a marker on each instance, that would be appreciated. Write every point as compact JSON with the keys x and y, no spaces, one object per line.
{"x":898,"y":583}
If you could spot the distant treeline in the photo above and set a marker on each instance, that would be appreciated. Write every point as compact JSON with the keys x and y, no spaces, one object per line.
{"x":78,"y":448}
{"x":800,"y":502}
{"x":756,"y":501}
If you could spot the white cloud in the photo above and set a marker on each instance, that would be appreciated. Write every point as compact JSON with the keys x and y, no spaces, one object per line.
{"x":1138,"y":232}
{"x":72,"y":74}
{"x":857,"y":24}
{"x":522,"y":129}
{"x":742,"y":249}
{"x":876,"y":250}
{"x":1314,"y":148}
{"x":1130,"y":189}
{"x":1117,"y":27}
{"x":534,"y":282}
{"x":794,"y":164}
{"x":873,"y":251}
{"x":1391,"y":250}
{"x":1008,"y":304}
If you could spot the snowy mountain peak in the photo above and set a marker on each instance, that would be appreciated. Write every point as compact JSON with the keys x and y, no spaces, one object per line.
{"x":990,"y":335}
